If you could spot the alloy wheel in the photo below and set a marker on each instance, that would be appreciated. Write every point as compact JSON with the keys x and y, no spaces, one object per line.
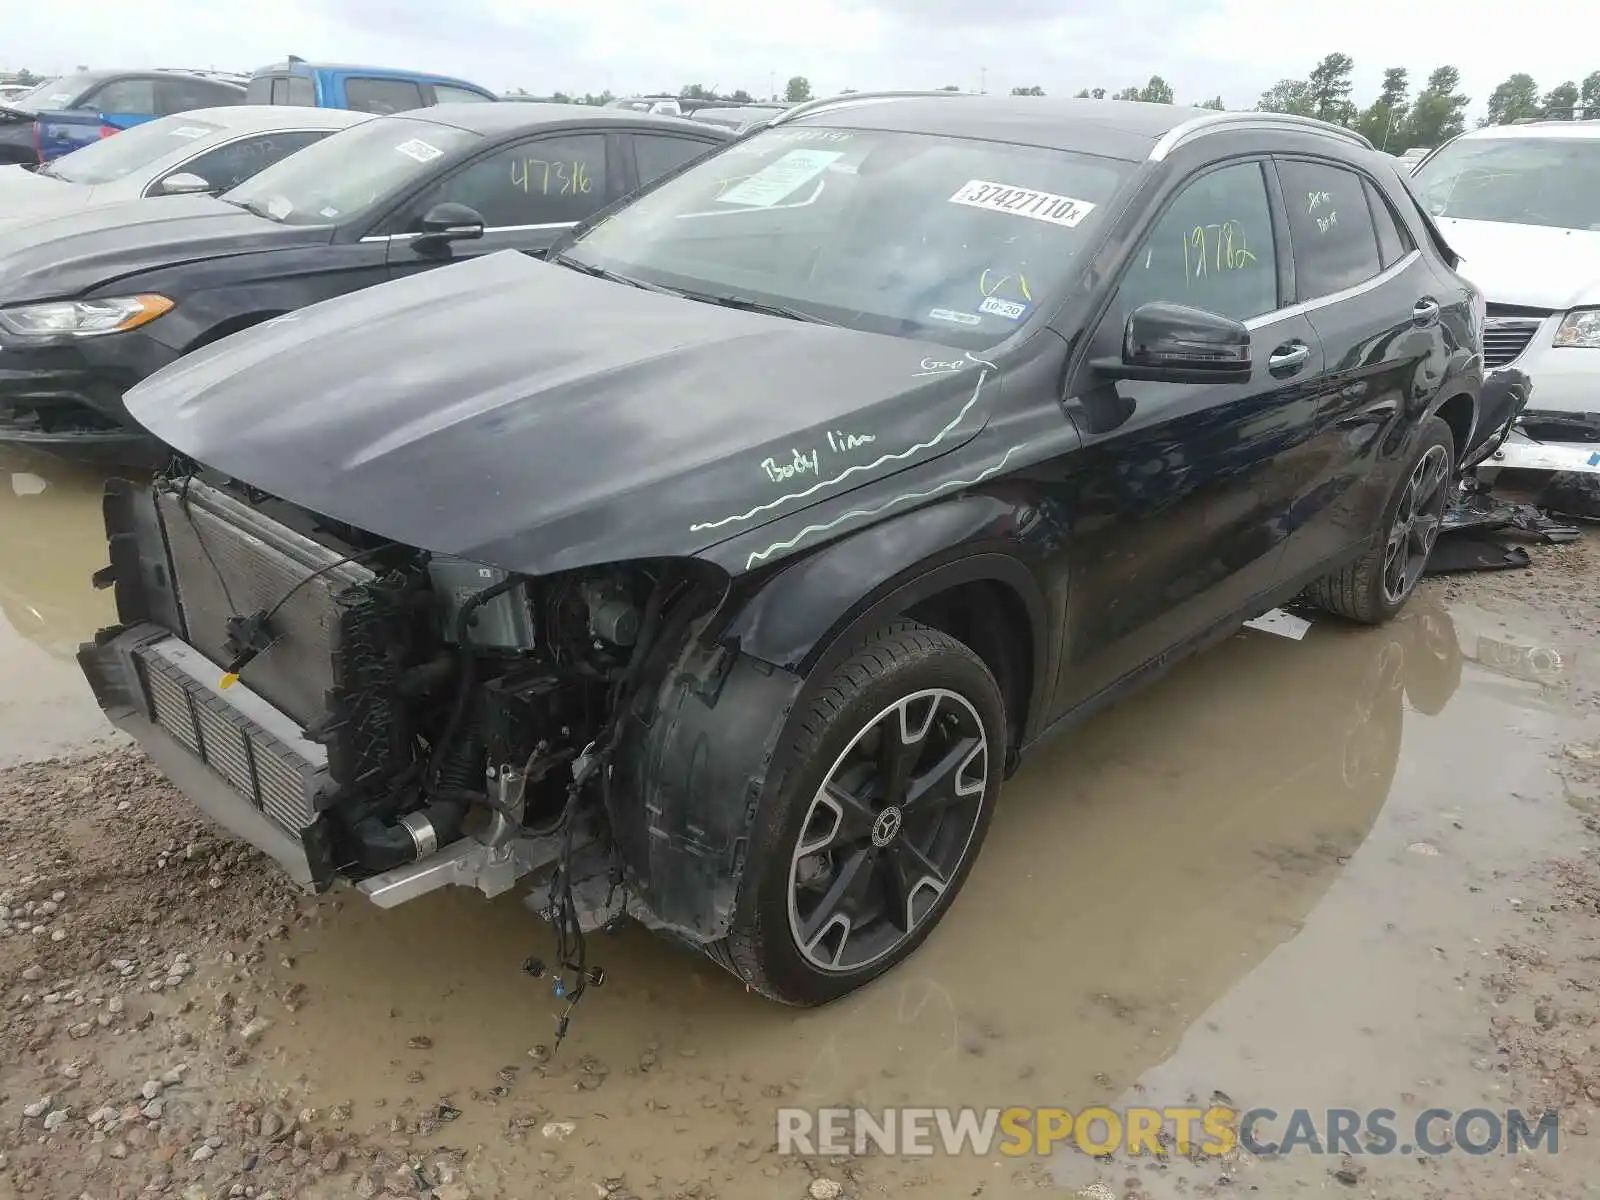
{"x":888,"y":830}
{"x":1416,"y":525}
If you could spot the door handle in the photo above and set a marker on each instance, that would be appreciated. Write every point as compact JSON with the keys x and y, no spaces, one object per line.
{"x":1426,"y":311}
{"x":1288,"y":358}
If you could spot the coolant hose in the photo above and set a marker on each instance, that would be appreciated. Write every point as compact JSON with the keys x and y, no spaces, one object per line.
{"x":382,"y":845}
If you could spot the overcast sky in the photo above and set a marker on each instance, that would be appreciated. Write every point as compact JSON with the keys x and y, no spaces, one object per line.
{"x":1202,"y":47}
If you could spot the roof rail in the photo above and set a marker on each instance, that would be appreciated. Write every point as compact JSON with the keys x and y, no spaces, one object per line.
{"x":1215,"y":122}
{"x":844,"y":99}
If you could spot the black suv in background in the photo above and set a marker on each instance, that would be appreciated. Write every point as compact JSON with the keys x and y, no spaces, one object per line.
{"x":93,"y":302}
{"x":727,"y":560}
{"x":119,"y":97}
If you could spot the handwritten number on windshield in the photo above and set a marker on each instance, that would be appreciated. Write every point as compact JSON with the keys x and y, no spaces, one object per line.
{"x":535,"y":175}
{"x":1221,"y":247}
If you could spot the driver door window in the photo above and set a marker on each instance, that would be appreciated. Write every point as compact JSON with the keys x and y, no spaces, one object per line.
{"x":1212,"y":249}
{"x":550,"y":181}
{"x":228,"y":166}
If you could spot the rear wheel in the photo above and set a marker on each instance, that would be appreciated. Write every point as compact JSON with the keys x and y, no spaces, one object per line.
{"x":862,"y":843}
{"x":1376,"y":586}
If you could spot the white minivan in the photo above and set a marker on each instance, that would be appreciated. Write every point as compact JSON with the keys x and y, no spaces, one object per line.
{"x":1521,"y":205}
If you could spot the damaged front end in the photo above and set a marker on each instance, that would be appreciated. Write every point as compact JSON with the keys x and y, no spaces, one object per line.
{"x":357,"y":708}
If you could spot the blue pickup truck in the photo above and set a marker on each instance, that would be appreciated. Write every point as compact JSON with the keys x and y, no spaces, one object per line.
{"x":59,"y":116}
{"x":381,"y":90}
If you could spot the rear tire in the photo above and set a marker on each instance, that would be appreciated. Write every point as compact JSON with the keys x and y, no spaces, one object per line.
{"x":861,"y":843}
{"x":1376,"y":586}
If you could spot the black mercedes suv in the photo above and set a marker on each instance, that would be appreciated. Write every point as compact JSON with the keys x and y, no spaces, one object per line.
{"x":716,"y":570}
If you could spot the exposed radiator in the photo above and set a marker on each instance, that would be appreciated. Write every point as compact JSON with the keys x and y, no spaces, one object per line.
{"x":230,"y":560}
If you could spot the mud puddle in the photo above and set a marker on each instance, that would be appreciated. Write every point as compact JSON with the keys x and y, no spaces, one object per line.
{"x":51,"y":542}
{"x":1266,"y":812}
{"x":1286,"y":874}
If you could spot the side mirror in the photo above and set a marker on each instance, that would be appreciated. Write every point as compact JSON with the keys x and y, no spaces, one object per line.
{"x":1172,"y":343}
{"x":184,"y":184}
{"x":451,"y":223}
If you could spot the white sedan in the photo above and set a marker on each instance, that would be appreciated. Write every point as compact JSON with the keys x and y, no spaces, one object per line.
{"x":207,"y":150}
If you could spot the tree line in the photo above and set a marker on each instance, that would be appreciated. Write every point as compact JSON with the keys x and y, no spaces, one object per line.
{"x":1395,"y":120}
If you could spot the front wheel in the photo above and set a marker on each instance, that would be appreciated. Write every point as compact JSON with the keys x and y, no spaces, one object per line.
{"x":861,"y":843}
{"x":1376,"y":586}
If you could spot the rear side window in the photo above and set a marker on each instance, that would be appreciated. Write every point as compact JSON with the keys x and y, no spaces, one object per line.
{"x":382,"y":96}
{"x":655,"y":156}
{"x":443,"y":93}
{"x":137,"y":96}
{"x":1394,"y":241}
{"x":1330,"y":227}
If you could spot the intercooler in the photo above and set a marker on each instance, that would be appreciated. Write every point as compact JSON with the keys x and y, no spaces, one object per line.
{"x":230,"y":561}
{"x":312,"y":713}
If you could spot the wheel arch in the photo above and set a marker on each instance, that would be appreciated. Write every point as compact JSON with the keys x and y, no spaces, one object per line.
{"x":228,"y":326}
{"x":1460,"y":412}
{"x":807,"y":617}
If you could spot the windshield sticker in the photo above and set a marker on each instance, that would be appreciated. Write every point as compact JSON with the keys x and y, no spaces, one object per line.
{"x":778,"y":179}
{"x":189,"y":131}
{"x":279,"y":207}
{"x":1023,"y":202}
{"x":330,"y":213}
{"x":420,"y":150}
{"x":60,"y":98}
{"x":959,"y":318}
{"x":1011,"y":310}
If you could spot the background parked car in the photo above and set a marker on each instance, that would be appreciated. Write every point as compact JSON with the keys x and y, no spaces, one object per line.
{"x":1517,"y":202}
{"x":381,"y":90}
{"x":75,"y":110}
{"x":210,"y":150}
{"x":93,"y":302}
{"x":15,"y":91}
{"x":738,"y":117}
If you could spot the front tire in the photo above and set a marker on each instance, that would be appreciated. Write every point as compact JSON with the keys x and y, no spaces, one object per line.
{"x":1376,"y":586}
{"x":861,"y":843}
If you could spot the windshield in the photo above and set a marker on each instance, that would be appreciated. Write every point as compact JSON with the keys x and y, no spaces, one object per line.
{"x":349,"y":172}
{"x":1526,"y":181}
{"x":916,"y":235}
{"x":53,"y":93}
{"x":114,"y":157}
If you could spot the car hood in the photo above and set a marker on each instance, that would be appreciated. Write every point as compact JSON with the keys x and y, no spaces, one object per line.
{"x":529,"y":416}
{"x":22,"y":190}
{"x":50,"y":256}
{"x":1537,"y":266}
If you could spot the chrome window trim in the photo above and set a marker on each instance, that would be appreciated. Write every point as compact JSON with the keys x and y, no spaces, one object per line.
{"x":488,"y":229}
{"x":1387,"y":275}
{"x":1199,"y":126}
{"x":144,"y":193}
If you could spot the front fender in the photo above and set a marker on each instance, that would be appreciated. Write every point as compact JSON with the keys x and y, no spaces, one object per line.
{"x":807,"y":616}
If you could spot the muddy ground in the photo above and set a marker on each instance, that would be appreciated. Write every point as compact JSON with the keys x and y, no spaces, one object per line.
{"x":1355,"y":870}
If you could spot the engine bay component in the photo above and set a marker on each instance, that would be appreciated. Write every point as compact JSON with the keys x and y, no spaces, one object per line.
{"x":504,"y":622}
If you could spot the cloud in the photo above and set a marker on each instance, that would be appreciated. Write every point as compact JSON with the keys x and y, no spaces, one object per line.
{"x":1201,"y":47}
